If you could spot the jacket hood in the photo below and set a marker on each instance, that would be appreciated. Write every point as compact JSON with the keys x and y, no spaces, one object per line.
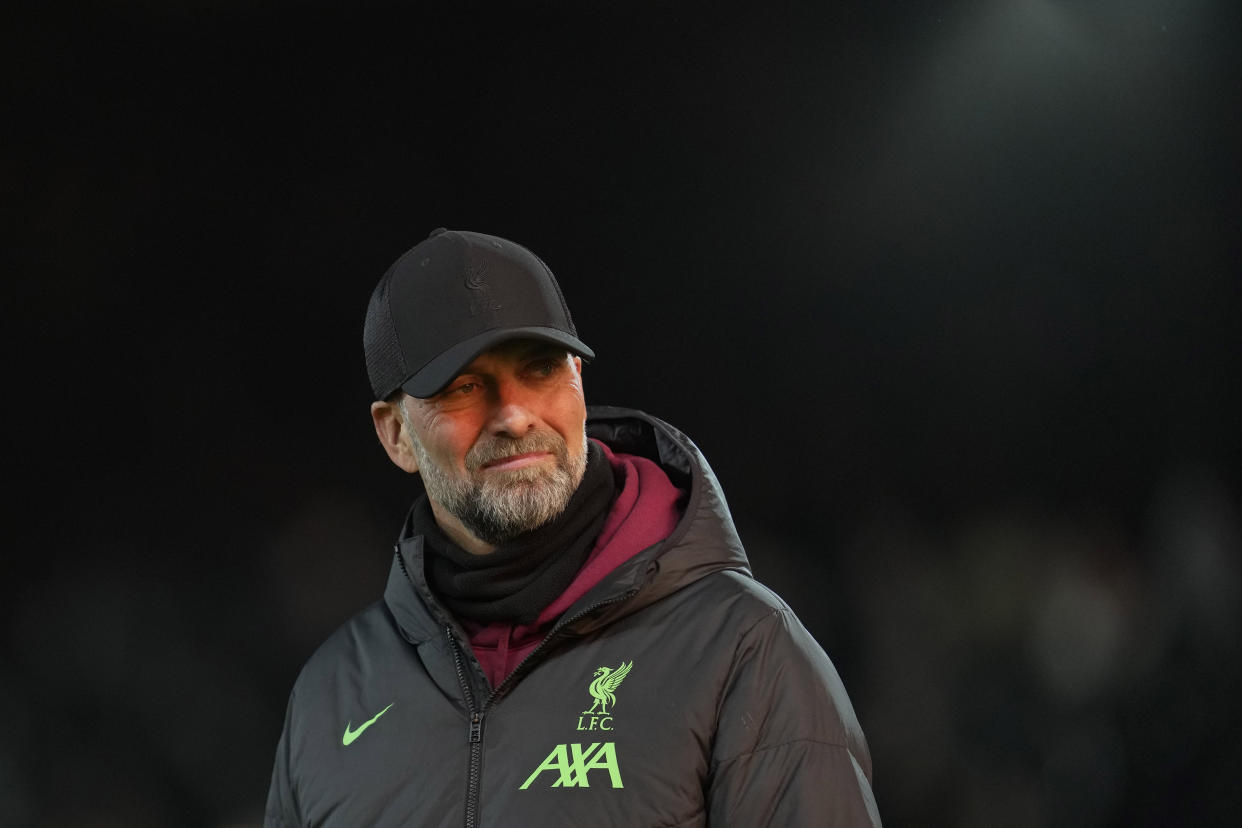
{"x":704,"y":540}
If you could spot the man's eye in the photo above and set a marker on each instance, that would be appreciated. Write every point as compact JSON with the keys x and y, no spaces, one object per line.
{"x":544,"y":367}
{"x":464,"y":389}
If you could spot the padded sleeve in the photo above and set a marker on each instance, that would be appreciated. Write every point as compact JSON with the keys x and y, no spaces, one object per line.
{"x":788,"y":749}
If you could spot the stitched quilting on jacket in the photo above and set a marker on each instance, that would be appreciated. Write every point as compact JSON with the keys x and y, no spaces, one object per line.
{"x":677,"y":692}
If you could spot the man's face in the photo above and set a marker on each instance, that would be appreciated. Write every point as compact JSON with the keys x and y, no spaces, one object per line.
{"x":503,"y":447}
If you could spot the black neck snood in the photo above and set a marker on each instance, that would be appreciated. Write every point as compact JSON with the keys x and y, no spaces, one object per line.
{"x":516,"y":581}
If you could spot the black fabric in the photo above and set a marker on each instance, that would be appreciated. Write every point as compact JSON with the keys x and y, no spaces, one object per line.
{"x":516,"y":581}
{"x":451,"y":297}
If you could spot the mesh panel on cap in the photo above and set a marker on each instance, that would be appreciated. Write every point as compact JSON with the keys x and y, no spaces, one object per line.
{"x":386,"y":366}
{"x":559,"y":293}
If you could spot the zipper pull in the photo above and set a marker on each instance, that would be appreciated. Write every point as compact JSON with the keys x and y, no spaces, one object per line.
{"x":476,"y":727}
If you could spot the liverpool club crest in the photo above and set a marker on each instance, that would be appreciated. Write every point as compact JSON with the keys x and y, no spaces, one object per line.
{"x":604,"y":690}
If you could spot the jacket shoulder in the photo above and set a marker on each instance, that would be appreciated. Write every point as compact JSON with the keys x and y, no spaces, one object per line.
{"x":350,"y":646}
{"x":748,"y":601}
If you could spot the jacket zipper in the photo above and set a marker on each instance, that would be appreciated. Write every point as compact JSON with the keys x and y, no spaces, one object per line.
{"x":475,"y":738}
{"x":474,"y":777}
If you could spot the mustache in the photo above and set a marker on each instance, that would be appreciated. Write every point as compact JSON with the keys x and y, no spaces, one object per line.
{"x":499,"y":448}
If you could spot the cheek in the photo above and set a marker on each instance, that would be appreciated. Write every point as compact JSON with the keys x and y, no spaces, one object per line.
{"x":446,"y":441}
{"x":571,"y":406}
{"x":453,"y":450}
{"x":571,"y":420}
{"x":572,"y":397}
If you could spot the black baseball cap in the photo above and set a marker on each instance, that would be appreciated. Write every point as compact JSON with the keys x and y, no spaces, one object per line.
{"x":450,"y":298}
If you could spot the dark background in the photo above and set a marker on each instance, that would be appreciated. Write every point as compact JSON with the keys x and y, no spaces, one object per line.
{"x":948,"y":292}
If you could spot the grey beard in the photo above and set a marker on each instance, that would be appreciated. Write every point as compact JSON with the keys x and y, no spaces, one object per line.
{"x":498,"y":510}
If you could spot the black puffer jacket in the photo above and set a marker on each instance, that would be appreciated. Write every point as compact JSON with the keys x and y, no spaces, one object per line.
{"x":677,"y":692}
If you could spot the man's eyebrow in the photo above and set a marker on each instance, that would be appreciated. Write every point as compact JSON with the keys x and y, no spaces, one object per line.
{"x":468,"y":371}
{"x":527,"y":350}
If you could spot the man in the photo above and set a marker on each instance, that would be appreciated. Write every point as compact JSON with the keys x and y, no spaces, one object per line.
{"x":570,"y":634}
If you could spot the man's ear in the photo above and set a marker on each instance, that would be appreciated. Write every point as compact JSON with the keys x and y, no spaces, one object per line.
{"x":391,"y":431}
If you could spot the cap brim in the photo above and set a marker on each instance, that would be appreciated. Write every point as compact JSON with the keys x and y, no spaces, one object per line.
{"x":440,"y":371}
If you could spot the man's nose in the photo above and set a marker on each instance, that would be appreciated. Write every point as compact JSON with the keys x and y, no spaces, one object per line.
{"x":512,"y":414}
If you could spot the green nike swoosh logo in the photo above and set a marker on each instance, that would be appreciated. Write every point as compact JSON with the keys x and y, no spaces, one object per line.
{"x":350,"y":735}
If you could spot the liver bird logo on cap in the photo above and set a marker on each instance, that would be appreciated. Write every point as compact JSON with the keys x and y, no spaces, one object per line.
{"x":604,"y":687}
{"x":481,"y":300}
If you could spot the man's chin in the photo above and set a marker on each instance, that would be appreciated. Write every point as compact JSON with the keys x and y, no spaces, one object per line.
{"x":495,"y":483}
{"x":523,"y":506}
{"x":498,"y":532}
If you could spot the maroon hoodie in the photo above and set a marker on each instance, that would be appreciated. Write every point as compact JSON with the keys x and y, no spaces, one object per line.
{"x":644,"y":513}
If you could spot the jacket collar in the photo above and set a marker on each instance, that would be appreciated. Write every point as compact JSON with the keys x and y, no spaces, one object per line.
{"x":704,"y":540}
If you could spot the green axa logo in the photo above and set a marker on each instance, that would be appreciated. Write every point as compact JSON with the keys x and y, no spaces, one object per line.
{"x":572,"y":763}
